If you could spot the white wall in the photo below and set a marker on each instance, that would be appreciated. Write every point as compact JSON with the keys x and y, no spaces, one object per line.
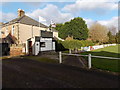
{"x":48,"y":44}
{"x":53,"y":47}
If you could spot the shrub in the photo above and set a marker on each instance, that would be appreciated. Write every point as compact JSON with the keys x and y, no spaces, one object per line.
{"x":72,"y":44}
{"x":86,"y":43}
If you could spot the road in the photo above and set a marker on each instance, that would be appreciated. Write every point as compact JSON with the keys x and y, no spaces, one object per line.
{"x":26,"y":73}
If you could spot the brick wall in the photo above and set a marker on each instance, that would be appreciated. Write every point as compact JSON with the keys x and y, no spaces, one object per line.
{"x":16,"y":50}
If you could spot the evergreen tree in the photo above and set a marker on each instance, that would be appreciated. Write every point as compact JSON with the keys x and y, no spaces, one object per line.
{"x":112,"y":38}
{"x":118,"y":37}
{"x":76,"y":28}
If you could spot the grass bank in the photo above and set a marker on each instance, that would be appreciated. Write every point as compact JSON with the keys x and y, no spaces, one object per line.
{"x":106,"y":64}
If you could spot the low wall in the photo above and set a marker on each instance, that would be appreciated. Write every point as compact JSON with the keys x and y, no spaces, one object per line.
{"x":16,"y":50}
{"x":89,"y":48}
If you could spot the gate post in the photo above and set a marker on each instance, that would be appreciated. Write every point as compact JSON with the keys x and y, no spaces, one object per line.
{"x":89,"y":61}
{"x":60,"y":57}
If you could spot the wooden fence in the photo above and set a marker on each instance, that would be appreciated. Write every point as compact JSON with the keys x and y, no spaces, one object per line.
{"x":89,"y":57}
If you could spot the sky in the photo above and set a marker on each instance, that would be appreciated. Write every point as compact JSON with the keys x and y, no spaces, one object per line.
{"x":104,"y":12}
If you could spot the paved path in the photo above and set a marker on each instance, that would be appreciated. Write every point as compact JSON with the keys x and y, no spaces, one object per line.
{"x":25,"y":73}
{"x":74,"y":61}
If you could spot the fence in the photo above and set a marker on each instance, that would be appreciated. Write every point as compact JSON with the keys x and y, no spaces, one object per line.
{"x":89,"y":57}
{"x":89,"y":48}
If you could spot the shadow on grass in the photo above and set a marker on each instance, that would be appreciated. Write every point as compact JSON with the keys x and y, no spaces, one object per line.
{"x":102,"y":63}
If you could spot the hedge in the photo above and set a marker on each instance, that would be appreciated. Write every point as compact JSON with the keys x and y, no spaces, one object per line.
{"x":75,"y":44}
{"x":72,"y":44}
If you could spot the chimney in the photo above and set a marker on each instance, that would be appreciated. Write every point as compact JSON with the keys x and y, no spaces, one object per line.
{"x":21,"y":13}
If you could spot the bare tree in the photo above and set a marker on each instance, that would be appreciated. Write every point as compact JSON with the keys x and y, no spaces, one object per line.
{"x":98,"y":33}
{"x":113,"y":30}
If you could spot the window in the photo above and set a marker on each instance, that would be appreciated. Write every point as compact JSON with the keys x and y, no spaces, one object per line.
{"x":13,"y":30}
{"x":42,"y":44}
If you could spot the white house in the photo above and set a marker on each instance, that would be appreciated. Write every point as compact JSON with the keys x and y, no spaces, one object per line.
{"x":36,"y":44}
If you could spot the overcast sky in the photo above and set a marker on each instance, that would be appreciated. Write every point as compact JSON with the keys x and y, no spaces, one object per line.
{"x":102,"y":11}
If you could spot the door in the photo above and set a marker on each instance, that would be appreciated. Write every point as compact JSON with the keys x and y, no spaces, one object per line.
{"x":30,"y":47}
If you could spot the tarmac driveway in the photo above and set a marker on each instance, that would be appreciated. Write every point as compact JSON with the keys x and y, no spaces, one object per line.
{"x":26,"y":73}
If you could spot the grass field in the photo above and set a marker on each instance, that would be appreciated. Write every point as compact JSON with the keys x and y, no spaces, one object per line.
{"x":106,"y":64}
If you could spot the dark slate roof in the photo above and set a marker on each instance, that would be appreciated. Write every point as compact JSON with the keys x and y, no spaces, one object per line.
{"x":26,"y":20}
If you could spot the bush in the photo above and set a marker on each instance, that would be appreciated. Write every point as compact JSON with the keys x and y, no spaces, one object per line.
{"x":89,"y":43}
{"x":72,"y":44}
{"x":86,"y":43}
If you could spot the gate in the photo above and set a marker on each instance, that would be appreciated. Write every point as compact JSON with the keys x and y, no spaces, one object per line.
{"x":4,"y":49}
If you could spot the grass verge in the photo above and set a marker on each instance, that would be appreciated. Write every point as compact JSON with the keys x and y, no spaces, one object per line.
{"x":105,"y":64}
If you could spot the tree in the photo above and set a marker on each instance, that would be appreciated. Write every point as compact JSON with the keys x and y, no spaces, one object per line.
{"x":98,"y":33}
{"x":76,"y":28}
{"x":58,"y":26}
{"x":112,"y":29}
{"x":118,"y":37}
{"x":112,"y":38}
{"x":72,"y":44}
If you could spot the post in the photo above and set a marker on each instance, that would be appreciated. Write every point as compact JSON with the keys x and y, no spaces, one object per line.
{"x":69,"y":51}
{"x":39,"y":21}
{"x":89,"y":61}
{"x":60,"y":57}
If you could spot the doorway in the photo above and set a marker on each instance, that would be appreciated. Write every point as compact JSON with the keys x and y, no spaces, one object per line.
{"x":30,"y":47}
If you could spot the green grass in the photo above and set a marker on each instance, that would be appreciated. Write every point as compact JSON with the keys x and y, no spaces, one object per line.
{"x":106,"y":64}
{"x":42,"y":59}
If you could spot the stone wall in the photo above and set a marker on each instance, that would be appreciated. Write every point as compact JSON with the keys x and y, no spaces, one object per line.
{"x":16,"y":50}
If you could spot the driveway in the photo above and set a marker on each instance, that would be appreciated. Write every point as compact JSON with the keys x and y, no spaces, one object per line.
{"x":74,"y":61}
{"x":26,"y":73}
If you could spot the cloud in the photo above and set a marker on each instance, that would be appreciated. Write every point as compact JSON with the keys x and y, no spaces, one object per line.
{"x":50,"y":12}
{"x":5,"y":17}
{"x":89,"y":22}
{"x":110,"y":23}
{"x":92,"y":5}
{"x":113,"y":22}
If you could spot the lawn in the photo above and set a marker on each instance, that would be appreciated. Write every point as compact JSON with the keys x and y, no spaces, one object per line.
{"x":106,"y":64}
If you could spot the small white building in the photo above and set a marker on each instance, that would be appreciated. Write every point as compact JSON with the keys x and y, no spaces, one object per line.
{"x":36,"y":44}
